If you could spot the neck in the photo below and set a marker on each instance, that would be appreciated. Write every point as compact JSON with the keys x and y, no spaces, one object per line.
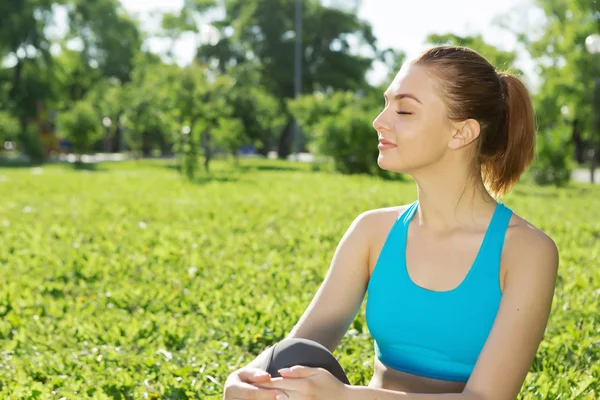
{"x":451,"y":197}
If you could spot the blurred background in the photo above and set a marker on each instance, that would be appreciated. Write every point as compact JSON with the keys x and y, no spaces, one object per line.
{"x":216,"y":79}
{"x":175,"y":176}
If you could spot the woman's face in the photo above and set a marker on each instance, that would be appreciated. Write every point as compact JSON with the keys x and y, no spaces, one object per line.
{"x":414,"y":120}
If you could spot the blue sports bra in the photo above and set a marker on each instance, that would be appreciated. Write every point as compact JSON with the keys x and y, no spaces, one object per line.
{"x":429,"y":333}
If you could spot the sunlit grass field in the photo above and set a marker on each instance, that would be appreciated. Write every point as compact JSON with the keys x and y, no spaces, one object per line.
{"x":127,"y":282}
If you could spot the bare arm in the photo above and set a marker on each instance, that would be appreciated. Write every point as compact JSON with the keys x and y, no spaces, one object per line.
{"x":339,"y":297}
{"x":518,"y":329}
{"x":338,"y":300}
{"x":328,"y":316}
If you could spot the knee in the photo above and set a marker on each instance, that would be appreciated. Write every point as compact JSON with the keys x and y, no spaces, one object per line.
{"x":306,"y":352}
{"x":301,"y":346}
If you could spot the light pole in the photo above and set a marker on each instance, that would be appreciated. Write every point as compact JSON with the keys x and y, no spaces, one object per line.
{"x":592,"y":44}
{"x":297,"y":75}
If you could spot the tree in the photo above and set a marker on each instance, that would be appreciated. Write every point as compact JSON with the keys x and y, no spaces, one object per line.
{"x":262,"y":31}
{"x":230,"y":135}
{"x":9,"y":128}
{"x":394,"y":60}
{"x":259,"y":111}
{"x":198,"y":105}
{"x":111,"y":101}
{"x":565,"y":68}
{"x":75,"y":77}
{"x":81,"y":126}
{"x":110,"y":38}
{"x":29,"y":84}
{"x":340,"y":127}
{"x":149,"y":108}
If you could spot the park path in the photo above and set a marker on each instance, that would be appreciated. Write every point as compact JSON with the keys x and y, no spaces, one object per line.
{"x":579,"y":174}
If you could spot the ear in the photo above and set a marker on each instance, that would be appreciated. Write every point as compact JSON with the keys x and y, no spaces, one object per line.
{"x":464,"y":132}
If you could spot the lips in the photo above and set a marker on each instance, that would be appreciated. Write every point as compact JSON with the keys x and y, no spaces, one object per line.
{"x":384,"y":141}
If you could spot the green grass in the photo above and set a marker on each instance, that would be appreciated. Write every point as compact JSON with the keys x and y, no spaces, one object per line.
{"x":126,"y":282}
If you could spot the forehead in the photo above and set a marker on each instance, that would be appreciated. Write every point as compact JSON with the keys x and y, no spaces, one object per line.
{"x":414,"y":80}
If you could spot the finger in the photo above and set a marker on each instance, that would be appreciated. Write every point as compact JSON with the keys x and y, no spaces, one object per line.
{"x":285,"y":384}
{"x":251,"y":375}
{"x":246,"y":391}
{"x":299,"y":371}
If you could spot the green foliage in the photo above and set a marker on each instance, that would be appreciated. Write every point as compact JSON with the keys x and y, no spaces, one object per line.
{"x":394,"y":59}
{"x":81,"y":125}
{"x":9,"y":127}
{"x":43,"y":80}
{"x":230,"y":134}
{"x":130,"y":283}
{"x":29,"y":140}
{"x":566,"y":69}
{"x":260,"y":112}
{"x":349,"y":138}
{"x":340,"y":126}
{"x":149,"y":106}
{"x":22,"y":24}
{"x":110,"y":36}
{"x":201,"y":102}
{"x":260,"y":32}
{"x":30,"y":89}
{"x":74,"y":77}
{"x":244,"y":74}
{"x":188,"y":150}
{"x":553,"y":161}
{"x":310,"y":110}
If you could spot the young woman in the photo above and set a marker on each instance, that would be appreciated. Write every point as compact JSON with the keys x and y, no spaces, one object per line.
{"x":459,"y":287}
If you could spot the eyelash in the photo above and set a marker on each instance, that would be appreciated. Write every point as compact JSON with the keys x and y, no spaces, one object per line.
{"x":399,"y":112}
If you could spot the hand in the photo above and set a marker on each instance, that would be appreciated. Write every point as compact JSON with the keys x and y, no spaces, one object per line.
{"x":239,"y":385}
{"x":304,"y":383}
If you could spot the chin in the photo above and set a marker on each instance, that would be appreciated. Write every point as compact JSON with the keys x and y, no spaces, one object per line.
{"x":392,"y":165}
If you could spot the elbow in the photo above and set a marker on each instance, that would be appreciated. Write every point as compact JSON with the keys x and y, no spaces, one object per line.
{"x":470,"y":395}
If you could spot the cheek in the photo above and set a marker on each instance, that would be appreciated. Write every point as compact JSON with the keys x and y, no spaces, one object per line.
{"x":414,"y":135}
{"x":419,"y":140}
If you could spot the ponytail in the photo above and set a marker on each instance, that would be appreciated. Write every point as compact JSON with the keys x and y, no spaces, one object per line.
{"x":501,"y":170}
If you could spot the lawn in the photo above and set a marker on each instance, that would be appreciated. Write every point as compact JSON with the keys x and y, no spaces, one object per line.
{"x":127,"y":282}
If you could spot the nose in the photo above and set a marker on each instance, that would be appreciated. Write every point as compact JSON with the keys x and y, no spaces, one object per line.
{"x":379,"y":123}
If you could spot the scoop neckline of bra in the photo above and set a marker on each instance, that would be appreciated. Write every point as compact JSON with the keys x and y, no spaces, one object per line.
{"x":410,"y":214}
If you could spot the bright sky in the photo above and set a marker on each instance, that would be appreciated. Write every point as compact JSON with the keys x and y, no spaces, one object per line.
{"x":399,"y":24}
{"x":405,"y":24}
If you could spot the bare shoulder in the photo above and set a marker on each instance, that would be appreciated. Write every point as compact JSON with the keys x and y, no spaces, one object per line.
{"x":380,"y":220}
{"x":527,"y":246}
{"x":376,"y":225}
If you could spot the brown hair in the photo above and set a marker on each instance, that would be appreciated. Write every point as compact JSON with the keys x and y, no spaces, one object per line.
{"x":472,"y":88}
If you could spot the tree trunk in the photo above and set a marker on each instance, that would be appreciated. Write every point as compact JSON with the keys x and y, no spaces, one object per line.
{"x":145,"y":144}
{"x":578,"y":143}
{"x":16,"y":79}
{"x":206,"y":147}
{"x":285,"y":140}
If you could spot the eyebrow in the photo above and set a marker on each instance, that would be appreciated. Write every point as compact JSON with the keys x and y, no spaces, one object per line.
{"x":404,"y":95}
